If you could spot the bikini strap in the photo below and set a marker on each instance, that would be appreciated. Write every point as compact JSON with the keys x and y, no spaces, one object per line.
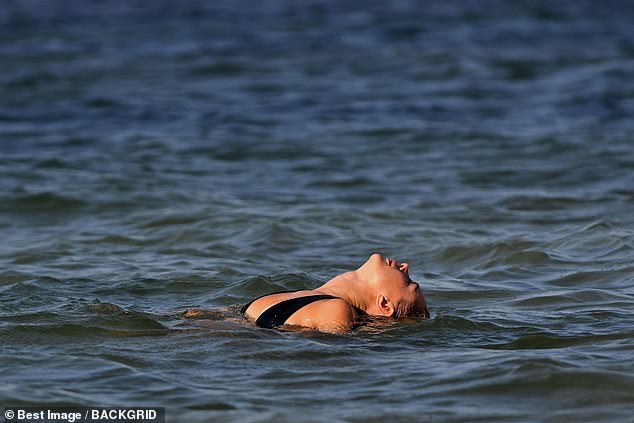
{"x":277,"y":314}
{"x":246,"y":306}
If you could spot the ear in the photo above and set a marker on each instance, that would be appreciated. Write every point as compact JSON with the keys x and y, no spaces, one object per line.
{"x":386,"y":308}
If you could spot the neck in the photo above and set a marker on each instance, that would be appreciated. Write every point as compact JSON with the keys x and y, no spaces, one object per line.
{"x":352,"y":287}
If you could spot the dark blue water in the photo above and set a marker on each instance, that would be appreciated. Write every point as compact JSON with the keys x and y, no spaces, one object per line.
{"x":157,"y":156}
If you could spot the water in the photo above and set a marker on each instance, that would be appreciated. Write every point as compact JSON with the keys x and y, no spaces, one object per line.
{"x":157,"y":156}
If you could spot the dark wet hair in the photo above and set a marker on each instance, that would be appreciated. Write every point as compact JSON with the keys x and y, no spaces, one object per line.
{"x":410,"y":310}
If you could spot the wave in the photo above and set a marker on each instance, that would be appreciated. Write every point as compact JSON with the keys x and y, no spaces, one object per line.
{"x":586,"y":297}
{"x":43,"y":202}
{"x":80,"y":319}
{"x":550,"y":341}
{"x":81,"y":330}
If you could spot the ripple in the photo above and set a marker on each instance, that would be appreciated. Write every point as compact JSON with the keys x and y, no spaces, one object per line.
{"x":568,"y":297}
{"x":218,"y":69}
{"x":459,"y":323}
{"x":495,"y":253}
{"x":213,"y":405}
{"x":548,"y":341}
{"x":44,"y":202}
{"x":603,"y":278}
{"x":541,"y":203}
{"x":81,"y":331}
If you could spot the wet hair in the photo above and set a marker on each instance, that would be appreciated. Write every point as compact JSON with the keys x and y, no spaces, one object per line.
{"x":402,"y":309}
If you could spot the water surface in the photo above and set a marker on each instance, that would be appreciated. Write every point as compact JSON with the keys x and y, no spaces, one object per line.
{"x":158,"y":156}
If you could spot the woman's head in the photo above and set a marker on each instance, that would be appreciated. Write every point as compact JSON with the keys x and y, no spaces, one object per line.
{"x":396,"y":294}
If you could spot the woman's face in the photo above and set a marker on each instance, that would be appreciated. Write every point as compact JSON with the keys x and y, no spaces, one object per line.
{"x":393,"y":277}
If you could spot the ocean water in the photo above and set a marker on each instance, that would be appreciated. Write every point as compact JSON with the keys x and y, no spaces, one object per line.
{"x":157,"y":156}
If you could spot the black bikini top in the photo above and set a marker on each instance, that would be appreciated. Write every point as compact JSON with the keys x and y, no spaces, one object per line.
{"x":277,"y":314}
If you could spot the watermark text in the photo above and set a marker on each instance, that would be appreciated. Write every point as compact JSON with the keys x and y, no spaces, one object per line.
{"x":84,"y":415}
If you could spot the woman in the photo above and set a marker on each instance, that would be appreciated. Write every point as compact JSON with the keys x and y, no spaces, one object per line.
{"x":380,"y":287}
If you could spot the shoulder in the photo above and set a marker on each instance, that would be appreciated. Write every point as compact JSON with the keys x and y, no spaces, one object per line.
{"x":337,"y":309}
{"x":329,"y":315}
